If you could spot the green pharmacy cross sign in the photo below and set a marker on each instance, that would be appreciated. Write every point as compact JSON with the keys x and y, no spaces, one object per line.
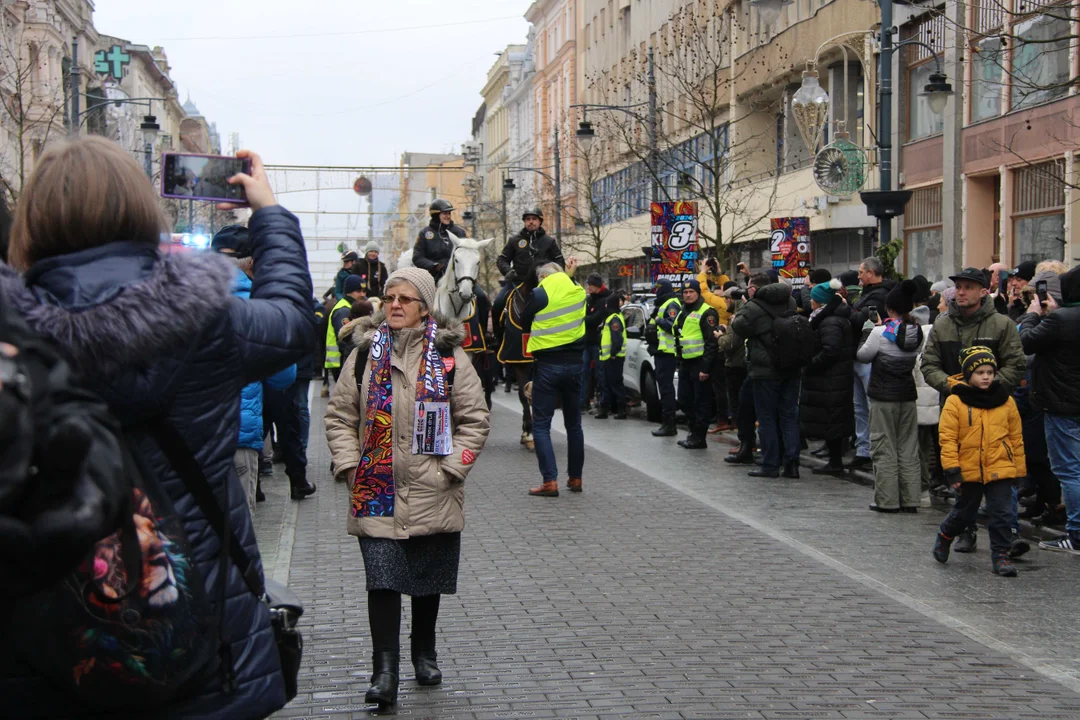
{"x":111,"y":62}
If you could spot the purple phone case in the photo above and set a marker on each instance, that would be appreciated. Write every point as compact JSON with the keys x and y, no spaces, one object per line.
{"x":247,"y":169}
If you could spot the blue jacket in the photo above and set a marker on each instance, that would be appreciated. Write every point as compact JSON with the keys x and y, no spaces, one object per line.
{"x":157,"y":334}
{"x":251,"y":397}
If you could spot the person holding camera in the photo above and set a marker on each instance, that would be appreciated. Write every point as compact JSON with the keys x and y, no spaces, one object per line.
{"x":708,"y":278}
{"x":1052,"y":334}
{"x":159,"y":336}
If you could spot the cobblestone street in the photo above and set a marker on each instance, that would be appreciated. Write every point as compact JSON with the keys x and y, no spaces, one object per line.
{"x":701,"y":595}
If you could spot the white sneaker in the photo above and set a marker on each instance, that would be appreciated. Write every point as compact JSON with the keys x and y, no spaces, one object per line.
{"x":924,"y":501}
{"x":1065,"y":544}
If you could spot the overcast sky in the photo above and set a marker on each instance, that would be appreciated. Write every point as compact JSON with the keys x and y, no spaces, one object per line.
{"x":332,"y":82}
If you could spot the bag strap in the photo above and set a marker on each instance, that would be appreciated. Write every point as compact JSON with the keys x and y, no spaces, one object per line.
{"x":183,"y":461}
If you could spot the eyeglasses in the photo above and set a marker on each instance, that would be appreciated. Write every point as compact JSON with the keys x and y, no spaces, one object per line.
{"x":403,"y":300}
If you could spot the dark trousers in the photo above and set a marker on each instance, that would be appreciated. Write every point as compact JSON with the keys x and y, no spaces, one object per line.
{"x":665,"y":380}
{"x":777,"y":405}
{"x":614,"y":390}
{"x":746,"y":417}
{"x":734,"y":377}
{"x":695,"y":397}
{"x":554,"y":382}
{"x":836,"y":451}
{"x":302,"y":385}
{"x":282,"y":409}
{"x":593,"y":380}
{"x":718,"y":380}
{"x":999,"y":498}
{"x":384,"y":617}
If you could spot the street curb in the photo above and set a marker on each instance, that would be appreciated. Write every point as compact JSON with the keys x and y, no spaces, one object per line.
{"x":862,"y":477}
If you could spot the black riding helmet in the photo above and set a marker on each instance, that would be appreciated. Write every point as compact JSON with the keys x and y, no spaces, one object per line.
{"x":533,"y":211}
{"x":439,"y":206}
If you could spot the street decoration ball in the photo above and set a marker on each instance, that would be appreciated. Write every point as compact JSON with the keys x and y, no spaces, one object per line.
{"x":362,"y":186}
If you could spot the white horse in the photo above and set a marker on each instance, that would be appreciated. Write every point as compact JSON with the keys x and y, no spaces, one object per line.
{"x":455,"y":292}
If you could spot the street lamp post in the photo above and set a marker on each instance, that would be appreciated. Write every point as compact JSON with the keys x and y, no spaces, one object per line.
{"x":558,"y":189}
{"x":508,"y":189}
{"x":150,"y":130}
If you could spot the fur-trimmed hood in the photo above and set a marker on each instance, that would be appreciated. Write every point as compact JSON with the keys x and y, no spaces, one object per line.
{"x":120,"y":305}
{"x":451,"y":332}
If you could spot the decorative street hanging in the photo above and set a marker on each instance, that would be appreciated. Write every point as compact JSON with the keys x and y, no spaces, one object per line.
{"x":840,"y":167}
{"x":362,"y":186}
{"x":810,"y":108}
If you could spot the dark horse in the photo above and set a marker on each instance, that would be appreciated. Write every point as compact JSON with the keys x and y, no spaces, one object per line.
{"x":513,"y":350}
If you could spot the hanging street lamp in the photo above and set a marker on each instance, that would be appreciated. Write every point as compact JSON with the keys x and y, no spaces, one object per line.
{"x":810,"y":108}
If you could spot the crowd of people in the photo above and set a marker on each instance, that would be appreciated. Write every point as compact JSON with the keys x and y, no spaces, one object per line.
{"x":145,"y":395}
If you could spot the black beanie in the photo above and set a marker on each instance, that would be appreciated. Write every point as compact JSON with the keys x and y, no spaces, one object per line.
{"x":922,"y":289}
{"x":974,"y":357}
{"x":819,"y":276}
{"x":849,"y":278}
{"x":236,"y":238}
{"x":901,"y":299}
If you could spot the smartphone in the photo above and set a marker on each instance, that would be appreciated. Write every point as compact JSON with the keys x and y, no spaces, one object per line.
{"x":1003,"y":281}
{"x":873,"y":314}
{"x":1040,"y":291}
{"x":202,"y":177}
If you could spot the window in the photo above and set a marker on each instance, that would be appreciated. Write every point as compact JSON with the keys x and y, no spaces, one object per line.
{"x":1040,"y":60}
{"x":922,"y":121}
{"x":987,"y":58}
{"x":1039,"y":212}
{"x":635,"y":319}
{"x":924,"y":248}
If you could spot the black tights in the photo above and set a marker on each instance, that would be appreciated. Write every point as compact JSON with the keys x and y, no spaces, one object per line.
{"x":384,"y":616}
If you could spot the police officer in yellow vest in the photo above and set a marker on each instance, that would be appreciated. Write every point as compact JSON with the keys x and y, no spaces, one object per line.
{"x":661,"y":338}
{"x":613,"y":339}
{"x":696,"y":348}
{"x":555,"y":320}
{"x":339,"y":315}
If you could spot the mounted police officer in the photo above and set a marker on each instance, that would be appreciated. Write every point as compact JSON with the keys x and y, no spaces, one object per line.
{"x":529,"y":247}
{"x":434,"y":246}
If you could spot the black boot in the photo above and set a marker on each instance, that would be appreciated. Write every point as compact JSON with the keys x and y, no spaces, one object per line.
{"x":427,"y":671}
{"x":745,"y":456}
{"x":667,"y":429}
{"x":260,"y":496}
{"x":620,"y":414}
{"x":384,"y":679}
{"x":601,"y":414}
{"x":791,"y":469}
{"x":301,"y":488}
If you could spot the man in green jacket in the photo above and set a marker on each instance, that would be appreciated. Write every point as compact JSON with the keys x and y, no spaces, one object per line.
{"x":972,"y":320}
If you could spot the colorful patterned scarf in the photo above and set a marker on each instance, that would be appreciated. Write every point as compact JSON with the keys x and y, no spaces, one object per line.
{"x":373,"y":484}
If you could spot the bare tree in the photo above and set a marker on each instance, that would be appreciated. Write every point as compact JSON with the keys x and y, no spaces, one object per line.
{"x":708,"y":147}
{"x":591,"y":212}
{"x":32,"y":102}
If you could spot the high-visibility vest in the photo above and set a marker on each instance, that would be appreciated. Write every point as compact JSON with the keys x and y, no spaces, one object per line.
{"x":562,"y":321}
{"x":666,"y":339}
{"x":333,"y":355}
{"x":690,"y":340}
{"x":605,"y":337}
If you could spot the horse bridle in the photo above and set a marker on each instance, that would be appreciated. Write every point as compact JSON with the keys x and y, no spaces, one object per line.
{"x":457,"y":283}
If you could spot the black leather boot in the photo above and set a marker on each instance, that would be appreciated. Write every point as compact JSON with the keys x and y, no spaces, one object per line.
{"x":427,"y":670}
{"x":384,"y":679}
{"x":300,"y":488}
{"x":791,"y":469}
{"x":667,"y":429}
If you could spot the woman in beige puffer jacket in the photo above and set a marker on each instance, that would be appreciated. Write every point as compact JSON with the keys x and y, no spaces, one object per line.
{"x":407,"y":508}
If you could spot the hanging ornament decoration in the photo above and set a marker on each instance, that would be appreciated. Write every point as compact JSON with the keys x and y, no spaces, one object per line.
{"x":810,"y":108}
{"x":362,"y":186}
{"x":840,"y":167}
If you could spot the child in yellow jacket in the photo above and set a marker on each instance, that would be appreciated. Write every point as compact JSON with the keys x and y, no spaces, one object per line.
{"x":982,"y":454}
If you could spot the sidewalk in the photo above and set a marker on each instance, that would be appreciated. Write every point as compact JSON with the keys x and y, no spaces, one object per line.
{"x":637,"y":599}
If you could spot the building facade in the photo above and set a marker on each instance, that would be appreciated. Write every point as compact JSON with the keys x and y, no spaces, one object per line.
{"x":422,"y":178}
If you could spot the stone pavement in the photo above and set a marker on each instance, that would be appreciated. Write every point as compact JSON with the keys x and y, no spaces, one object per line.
{"x":636,"y":599}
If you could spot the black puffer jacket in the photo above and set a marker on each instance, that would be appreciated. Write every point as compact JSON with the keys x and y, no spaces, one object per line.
{"x":872,"y":296}
{"x":156,"y":334}
{"x":894,"y":359}
{"x":524,"y":249}
{"x":596,"y":309}
{"x":826,"y":403}
{"x":434,"y":247}
{"x":753,"y":324}
{"x":1054,"y":340}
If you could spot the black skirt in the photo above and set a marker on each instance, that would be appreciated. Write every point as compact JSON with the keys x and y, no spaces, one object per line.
{"x":419,"y":566}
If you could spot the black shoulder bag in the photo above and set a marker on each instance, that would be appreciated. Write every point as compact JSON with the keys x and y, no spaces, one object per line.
{"x":285,"y":607}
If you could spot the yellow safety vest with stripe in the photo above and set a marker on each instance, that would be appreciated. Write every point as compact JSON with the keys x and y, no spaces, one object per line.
{"x":333,"y":354}
{"x":605,"y":337}
{"x":690,"y":340}
{"x":562,"y":321}
{"x":666,"y":339}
